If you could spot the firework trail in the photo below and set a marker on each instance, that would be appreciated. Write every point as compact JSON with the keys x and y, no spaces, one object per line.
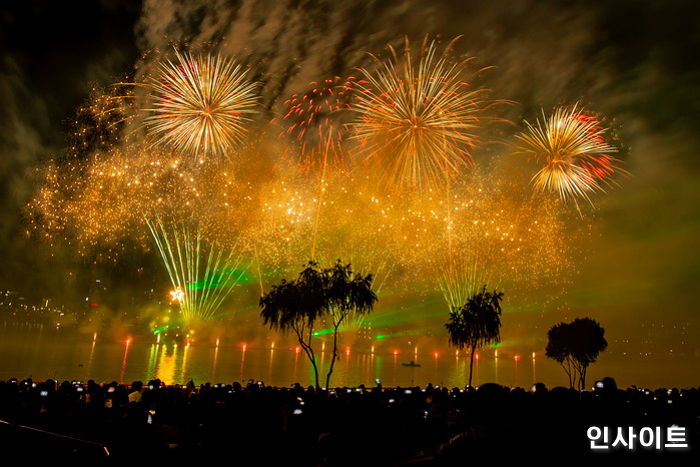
{"x":201,"y":105}
{"x":418,"y":121}
{"x":203,"y":274}
{"x":574,"y":156}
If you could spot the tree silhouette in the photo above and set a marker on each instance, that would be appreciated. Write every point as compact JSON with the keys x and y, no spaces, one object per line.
{"x":574,"y":346}
{"x":333,"y":293}
{"x":296,"y":305}
{"x":346,"y":295}
{"x":476,"y":323}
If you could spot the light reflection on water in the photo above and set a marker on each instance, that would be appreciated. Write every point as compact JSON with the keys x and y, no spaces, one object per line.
{"x":44,"y":353}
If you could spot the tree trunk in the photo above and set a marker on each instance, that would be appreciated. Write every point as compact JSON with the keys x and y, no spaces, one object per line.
{"x":312,"y":358}
{"x":471,"y":365}
{"x":308,"y":350}
{"x":335,"y":355}
{"x":313,"y":363}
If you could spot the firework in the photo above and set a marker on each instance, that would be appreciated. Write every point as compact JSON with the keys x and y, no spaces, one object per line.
{"x":315,"y":118}
{"x":202,"y":274}
{"x":89,"y":204}
{"x":99,"y":203}
{"x":571,"y":148}
{"x":119,"y":199}
{"x":267,"y":213}
{"x":99,"y":124}
{"x":177,"y":295}
{"x":504,"y":242}
{"x":201,"y":104}
{"x":485,"y":230}
{"x":418,"y":120}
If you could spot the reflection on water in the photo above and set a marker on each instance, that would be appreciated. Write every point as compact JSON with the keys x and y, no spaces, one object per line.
{"x":42,"y":353}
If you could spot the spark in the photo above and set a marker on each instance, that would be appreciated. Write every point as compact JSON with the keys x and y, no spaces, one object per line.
{"x":177,"y":295}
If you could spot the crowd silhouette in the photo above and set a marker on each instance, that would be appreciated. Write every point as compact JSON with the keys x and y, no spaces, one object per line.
{"x":343,"y":426}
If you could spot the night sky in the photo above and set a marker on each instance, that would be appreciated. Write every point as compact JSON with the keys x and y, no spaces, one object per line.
{"x":637,"y":62}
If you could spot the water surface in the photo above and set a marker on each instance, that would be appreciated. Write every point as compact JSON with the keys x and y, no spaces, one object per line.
{"x":42,"y":352}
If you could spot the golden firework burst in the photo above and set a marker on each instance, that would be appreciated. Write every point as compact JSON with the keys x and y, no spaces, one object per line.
{"x":574,"y":155}
{"x":201,"y":104}
{"x":418,"y":120}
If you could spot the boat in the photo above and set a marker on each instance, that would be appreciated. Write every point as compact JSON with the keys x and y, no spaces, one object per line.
{"x":412,"y":364}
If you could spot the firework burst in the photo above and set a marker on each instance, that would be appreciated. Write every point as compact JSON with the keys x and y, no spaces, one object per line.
{"x":313,"y":118}
{"x":201,"y":104}
{"x":418,"y":120}
{"x":574,"y":155}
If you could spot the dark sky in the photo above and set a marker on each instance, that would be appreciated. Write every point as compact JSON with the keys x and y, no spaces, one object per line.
{"x":51,"y":55}
{"x":635,"y":61}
